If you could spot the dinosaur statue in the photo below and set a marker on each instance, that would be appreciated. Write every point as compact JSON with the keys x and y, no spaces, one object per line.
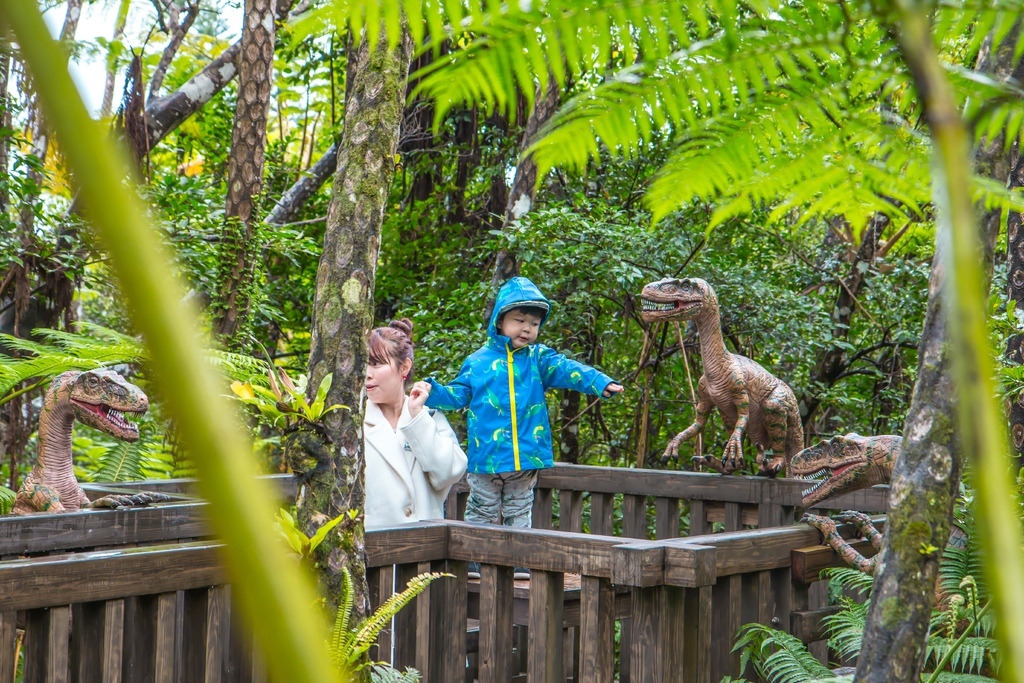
{"x":100,"y":399}
{"x":752,"y":401}
{"x":840,"y":465}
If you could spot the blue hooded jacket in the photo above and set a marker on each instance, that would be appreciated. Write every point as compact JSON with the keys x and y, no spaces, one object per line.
{"x":508,"y":416}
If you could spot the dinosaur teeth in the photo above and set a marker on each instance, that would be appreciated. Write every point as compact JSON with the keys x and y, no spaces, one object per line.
{"x":649,"y":305}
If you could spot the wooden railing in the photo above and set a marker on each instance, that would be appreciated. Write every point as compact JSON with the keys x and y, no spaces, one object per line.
{"x":114,"y":612}
{"x":593,"y":499}
{"x":679,"y":602}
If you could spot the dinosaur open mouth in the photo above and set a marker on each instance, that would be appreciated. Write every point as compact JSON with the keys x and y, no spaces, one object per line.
{"x":118,"y":418}
{"x":651,"y":306}
{"x":819,"y":476}
{"x":823,"y":475}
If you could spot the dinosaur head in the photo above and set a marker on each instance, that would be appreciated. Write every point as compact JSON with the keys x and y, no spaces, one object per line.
{"x":674,"y":299}
{"x":102,"y":398}
{"x":843,"y":464}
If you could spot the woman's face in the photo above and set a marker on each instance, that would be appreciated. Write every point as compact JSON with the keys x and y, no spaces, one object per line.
{"x":384,"y":383}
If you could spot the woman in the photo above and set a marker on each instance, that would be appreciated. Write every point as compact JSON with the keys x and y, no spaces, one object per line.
{"x":412,"y":455}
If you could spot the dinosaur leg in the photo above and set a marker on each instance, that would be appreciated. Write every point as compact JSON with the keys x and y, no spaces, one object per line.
{"x":119,"y":501}
{"x":828,"y":530}
{"x":36,"y":498}
{"x":775,"y":415}
{"x":703,"y":412}
{"x":863,"y":525}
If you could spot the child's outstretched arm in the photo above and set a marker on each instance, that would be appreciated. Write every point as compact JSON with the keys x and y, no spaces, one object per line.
{"x":452,"y":396}
{"x":559,"y":372}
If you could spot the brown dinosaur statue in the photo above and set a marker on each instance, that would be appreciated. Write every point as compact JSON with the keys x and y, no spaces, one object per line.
{"x":752,"y":400}
{"x":100,"y":399}
{"x":840,"y":465}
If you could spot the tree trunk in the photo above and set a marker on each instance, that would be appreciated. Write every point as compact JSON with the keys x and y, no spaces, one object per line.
{"x":5,"y":125}
{"x":953,"y":347}
{"x":569,"y":428}
{"x":833,"y":361}
{"x":520,"y":198}
{"x":245,"y":167}
{"x":343,"y":306}
{"x":164,"y":114}
{"x":924,"y":485}
{"x":1015,"y":292}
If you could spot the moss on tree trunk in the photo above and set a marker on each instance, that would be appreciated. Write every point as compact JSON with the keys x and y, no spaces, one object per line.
{"x":343,"y":307}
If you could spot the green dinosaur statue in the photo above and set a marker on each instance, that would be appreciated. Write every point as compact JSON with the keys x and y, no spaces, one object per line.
{"x":841,"y":465}
{"x":752,"y":400}
{"x":100,"y":399}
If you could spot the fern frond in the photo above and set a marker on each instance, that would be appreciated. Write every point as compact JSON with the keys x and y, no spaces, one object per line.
{"x":7,"y":498}
{"x":123,"y":462}
{"x":367,"y":633}
{"x":385,"y":673}
{"x":777,"y":656}
{"x":848,"y":578}
{"x":845,"y":629}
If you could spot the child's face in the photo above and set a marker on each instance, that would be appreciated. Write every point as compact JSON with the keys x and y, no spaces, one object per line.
{"x":521,"y":328}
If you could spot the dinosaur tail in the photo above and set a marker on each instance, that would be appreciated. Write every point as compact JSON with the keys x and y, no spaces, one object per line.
{"x":794,"y":432}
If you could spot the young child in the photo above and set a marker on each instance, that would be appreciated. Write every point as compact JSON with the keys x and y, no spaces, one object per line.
{"x":503,"y":384}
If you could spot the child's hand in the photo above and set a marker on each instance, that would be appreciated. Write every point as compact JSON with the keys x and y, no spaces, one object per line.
{"x":612,"y":388}
{"x":417,"y":397}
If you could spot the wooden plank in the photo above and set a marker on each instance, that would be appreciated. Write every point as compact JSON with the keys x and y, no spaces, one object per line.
{"x":597,"y":630}
{"x":764,"y":597}
{"x":34,"y":534}
{"x":758,"y":549}
{"x":405,"y":621}
{"x":57,"y":662}
{"x":656,"y":644}
{"x":697,"y":635}
{"x":543,"y":503}
{"x":695,"y":485}
{"x":558,"y":551}
{"x":769,"y":514}
{"x":97,"y":641}
{"x":495,"y":653}
{"x":205,"y":634}
{"x":601,"y":508}
{"x":688,"y":564}
{"x":163,"y":646}
{"x":698,"y":519}
{"x":47,"y":635}
{"x":8,"y":643}
{"x":417,"y":542}
{"x":87,"y":577}
{"x":422,"y":606}
{"x":638,"y":564}
{"x":571,"y":511}
{"x":807,"y":624}
{"x":666,"y":517}
{"x":381,"y":588}
{"x":732,"y":517}
{"x":634,"y":516}
{"x":808,"y":562}
{"x":447,"y":623}
{"x":735,"y":620}
{"x":545,"y":656}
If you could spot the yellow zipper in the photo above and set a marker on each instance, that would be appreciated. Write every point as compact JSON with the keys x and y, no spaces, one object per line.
{"x":512,"y":398}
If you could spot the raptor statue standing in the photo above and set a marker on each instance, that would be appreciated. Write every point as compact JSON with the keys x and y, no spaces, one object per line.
{"x":840,"y":465}
{"x":100,"y":399}
{"x":752,"y":400}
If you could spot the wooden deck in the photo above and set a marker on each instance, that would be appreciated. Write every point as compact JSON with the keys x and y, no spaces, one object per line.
{"x":139,"y":595}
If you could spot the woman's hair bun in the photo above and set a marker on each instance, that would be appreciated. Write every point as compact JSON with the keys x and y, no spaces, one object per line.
{"x":403,"y":325}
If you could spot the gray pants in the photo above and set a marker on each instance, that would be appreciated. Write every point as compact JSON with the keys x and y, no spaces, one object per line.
{"x":507,"y":496}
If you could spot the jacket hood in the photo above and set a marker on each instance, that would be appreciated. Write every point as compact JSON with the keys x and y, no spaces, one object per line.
{"x":518,"y":291}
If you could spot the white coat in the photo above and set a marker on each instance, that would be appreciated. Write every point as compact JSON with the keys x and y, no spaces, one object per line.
{"x":409,"y":470}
